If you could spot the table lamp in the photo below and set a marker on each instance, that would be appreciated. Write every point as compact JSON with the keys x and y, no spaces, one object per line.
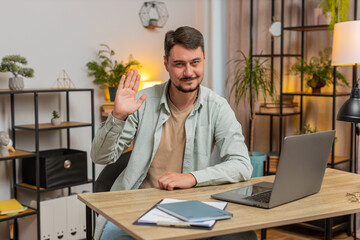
{"x":345,"y":52}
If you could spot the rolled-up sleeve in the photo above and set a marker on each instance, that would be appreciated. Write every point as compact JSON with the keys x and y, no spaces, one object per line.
{"x":107,"y":145}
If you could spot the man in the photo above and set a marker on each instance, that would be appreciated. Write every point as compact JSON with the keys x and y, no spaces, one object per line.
{"x":174,"y":127}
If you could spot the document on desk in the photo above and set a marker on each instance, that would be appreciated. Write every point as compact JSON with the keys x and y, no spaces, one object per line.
{"x":157,"y":217}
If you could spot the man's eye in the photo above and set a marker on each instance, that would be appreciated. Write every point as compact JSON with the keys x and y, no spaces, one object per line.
{"x":195,"y":62}
{"x":179,"y":64}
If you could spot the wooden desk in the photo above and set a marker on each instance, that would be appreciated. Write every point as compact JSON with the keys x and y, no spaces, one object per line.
{"x":124,"y":207}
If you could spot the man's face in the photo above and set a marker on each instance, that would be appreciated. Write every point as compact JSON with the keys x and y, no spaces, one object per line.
{"x":185,"y":67}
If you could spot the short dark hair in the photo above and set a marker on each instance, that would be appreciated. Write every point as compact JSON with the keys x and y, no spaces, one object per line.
{"x":187,"y":36}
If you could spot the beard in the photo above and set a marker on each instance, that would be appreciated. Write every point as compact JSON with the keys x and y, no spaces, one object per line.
{"x":181,"y":89}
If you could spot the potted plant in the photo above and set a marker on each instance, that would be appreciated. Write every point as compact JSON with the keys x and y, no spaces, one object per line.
{"x":12,"y":63}
{"x":337,"y":9}
{"x":153,"y":22}
{"x":318,"y":72}
{"x":107,"y":72}
{"x":250,"y":80}
{"x":56,"y":118}
{"x":306,"y":129}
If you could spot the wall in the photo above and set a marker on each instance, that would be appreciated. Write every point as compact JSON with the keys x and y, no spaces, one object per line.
{"x":65,"y":34}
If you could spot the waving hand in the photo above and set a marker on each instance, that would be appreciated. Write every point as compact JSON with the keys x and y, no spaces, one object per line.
{"x":125,"y":102}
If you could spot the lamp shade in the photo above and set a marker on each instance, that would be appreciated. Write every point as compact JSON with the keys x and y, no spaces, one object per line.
{"x":346,"y":43}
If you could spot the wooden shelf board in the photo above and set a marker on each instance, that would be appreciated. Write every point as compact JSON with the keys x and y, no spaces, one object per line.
{"x":28,"y":211}
{"x":25,"y":185}
{"x":33,"y":187}
{"x":338,"y":159}
{"x":17,"y":154}
{"x":308,"y":28}
{"x":47,"y":126}
{"x":322,"y":94}
{"x":8,"y":91}
{"x":277,"y":113}
{"x":276,"y":55}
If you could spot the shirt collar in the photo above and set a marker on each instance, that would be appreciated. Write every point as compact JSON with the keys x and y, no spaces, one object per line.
{"x":163,"y":101}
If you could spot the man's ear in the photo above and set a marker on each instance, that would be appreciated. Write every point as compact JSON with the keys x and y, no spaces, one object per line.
{"x":166,"y":63}
{"x":204,"y":55}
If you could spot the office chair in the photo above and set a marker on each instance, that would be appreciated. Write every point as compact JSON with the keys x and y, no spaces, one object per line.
{"x":110,"y":172}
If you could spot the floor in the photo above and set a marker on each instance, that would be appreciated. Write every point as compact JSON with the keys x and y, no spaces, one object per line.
{"x":296,"y":233}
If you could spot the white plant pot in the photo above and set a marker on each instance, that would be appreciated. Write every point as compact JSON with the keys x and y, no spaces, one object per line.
{"x":16,"y":83}
{"x":55,"y":121}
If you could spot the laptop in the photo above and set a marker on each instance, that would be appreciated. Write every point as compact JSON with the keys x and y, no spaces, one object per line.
{"x":300,"y":173}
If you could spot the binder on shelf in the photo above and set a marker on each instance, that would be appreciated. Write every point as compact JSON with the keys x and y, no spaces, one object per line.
{"x":11,"y":206}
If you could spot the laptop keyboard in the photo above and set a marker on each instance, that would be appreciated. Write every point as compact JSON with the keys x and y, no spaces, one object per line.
{"x":263,"y":197}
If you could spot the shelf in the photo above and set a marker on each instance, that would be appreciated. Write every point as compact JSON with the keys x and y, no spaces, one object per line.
{"x":27,"y":212}
{"x":276,"y":55}
{"x":49,"y":126}
{"x":307,"y":28}
{"x":338,"y":160}
{"x":17,"y":154}
{"x":323,"y":94}
{"x":30,"y":187}
{"x":277,"y":114}
{"x":44,"y":90}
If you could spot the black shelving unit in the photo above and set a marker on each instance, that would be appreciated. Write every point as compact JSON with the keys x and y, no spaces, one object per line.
{"x":335,"y":160}
{"x":36,"y":128}
{"x":341,"y":222}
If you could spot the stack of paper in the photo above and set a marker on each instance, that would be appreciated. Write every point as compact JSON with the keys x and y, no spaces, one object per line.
{"x":158,"y":217}
{"x":11,"y":206}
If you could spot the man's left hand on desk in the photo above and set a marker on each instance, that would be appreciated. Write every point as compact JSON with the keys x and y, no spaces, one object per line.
{"x":172,"y":180}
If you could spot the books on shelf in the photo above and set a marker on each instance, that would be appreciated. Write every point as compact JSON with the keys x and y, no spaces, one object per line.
{"x":11,"y":206}
{"x":288,"y":106}
{"x":273,"y":160}
{"x":106,"y":109}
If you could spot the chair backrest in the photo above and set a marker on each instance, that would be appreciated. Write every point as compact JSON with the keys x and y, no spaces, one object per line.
{"x":110,"y":172}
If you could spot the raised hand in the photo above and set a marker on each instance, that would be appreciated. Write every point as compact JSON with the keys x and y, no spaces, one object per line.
{"x":125,"y":103}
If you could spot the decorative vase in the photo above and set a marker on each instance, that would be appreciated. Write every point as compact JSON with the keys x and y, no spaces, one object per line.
{"x":16,"y":83}
{"x":112,"y":92}
{"x":55,"y":121}
{"x":315,"y":84}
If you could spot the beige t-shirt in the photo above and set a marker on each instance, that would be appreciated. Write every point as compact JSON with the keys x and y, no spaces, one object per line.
{"x":170,"y":154}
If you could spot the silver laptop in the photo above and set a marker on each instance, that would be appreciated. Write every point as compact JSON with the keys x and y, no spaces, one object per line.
{"x":300,"y":173}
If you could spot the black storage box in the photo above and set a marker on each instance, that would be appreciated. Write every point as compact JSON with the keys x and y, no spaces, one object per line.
{"x":57,"y":167}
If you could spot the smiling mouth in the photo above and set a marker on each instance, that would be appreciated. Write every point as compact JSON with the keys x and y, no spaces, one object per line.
{"x":188,"y":79}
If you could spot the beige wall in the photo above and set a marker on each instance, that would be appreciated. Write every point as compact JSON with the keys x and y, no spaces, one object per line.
{"x":65,"y":34}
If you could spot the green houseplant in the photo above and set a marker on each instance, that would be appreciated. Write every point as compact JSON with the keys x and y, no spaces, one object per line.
{"x":107,"y":71}
{"x":318,"y":72}
{"x":14,"y":64}
{"x":250,"y":80}
{"x":56,"y":118}
{"x":338,"y":9}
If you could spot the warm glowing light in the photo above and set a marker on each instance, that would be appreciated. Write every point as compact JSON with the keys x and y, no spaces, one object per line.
{"x":144,"y":76}
{"x":147,"y":84}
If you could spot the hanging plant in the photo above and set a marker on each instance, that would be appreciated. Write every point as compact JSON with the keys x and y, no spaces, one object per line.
{"x":338,"y":9}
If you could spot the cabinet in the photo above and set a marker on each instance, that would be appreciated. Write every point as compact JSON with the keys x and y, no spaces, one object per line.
{"x":36,"y":127}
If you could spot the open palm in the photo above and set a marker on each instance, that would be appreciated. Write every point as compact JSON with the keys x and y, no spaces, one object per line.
{"x":125,"y":102}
